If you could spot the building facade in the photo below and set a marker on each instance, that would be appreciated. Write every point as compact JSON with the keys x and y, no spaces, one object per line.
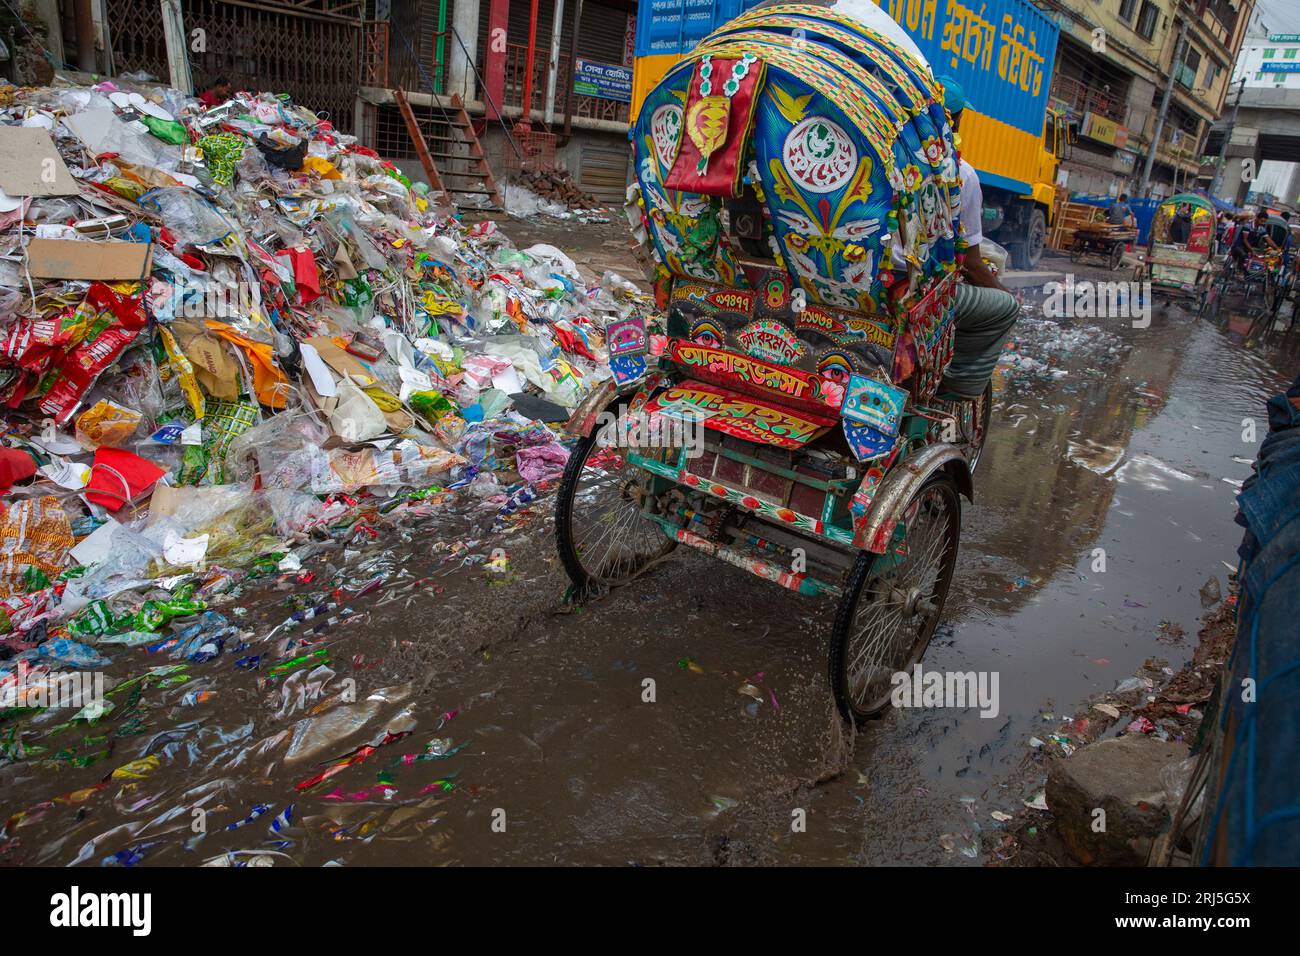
{"x":579,"y":88}
{"x":1267,"y":70}
{"x":1269,"y":60}
{"x":1115,"y":62}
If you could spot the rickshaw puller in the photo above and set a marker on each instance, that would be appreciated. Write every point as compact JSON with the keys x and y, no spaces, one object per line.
{"x":985,"y":308}
{"x":1244,"y":241}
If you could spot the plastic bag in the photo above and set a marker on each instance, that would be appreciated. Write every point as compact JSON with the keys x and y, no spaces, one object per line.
{"x":169,"y":131}
{"x":193,"y":219}
{"x":554,"y":258}
{"x":264,"y":446}
{"x":356,"y":417}
{"x":189,"y":508}
{"x":341,"y":470}
{"x":421,"y":465}
{"x":129,"y":555}
{"x":294,"y":511}
{"x":33,"y":533}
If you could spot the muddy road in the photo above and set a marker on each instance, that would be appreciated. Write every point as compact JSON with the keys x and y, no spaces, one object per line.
{"x":467,"y":715}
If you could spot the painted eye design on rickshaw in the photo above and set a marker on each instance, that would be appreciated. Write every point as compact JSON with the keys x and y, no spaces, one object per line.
{"x":837,"y":366}
{"x":706,"y":332}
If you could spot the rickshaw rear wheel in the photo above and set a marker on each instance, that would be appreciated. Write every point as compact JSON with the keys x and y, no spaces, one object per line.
{"x":886,"y":617}
{"x":603,"y":538}
{"x":1281,"y":291}
{"x":1212,"y":298}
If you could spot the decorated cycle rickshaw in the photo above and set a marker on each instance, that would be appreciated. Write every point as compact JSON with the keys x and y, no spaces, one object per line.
{"x":826,"y":462}
{"x":1180,"y":248}
{"x":1254,"y":285}
{"x":1279,"y":230}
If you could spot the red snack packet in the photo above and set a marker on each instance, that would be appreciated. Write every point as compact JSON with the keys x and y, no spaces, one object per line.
{"x":117,"y":321}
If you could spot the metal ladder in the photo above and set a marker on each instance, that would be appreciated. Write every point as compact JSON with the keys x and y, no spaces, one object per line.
{"x":456,"y":179}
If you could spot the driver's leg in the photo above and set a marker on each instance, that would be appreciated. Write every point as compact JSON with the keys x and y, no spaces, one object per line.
{"x":984,"y":320}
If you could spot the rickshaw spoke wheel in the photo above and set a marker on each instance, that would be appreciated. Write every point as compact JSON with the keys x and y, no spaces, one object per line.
{"x":886,"y":619}
{"x":602,"y":536}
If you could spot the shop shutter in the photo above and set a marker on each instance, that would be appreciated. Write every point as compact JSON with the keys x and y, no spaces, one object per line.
{"x":604,"y":171}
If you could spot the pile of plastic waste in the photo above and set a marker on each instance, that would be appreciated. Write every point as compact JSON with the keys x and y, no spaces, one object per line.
{"x":226,"y":330}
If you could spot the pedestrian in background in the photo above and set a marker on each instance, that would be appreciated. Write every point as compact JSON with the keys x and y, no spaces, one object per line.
{"x":1120,"y":212}
{"x":217,"y":93}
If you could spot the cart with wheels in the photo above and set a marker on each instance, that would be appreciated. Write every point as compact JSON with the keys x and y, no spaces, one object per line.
{"x":1102,"y":242}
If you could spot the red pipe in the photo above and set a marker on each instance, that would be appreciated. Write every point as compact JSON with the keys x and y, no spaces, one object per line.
{"x":526,"y":118}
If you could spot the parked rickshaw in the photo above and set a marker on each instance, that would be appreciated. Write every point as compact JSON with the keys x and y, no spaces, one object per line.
{"x":1279,"y":230}
{"x":1180,"y":250}
{"x":826,"y":463}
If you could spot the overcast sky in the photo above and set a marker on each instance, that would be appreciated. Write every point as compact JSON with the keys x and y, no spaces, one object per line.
{"x":1281,"y":16}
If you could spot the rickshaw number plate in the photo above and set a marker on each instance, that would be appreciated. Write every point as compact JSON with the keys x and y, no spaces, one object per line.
{"x":627,"y":368}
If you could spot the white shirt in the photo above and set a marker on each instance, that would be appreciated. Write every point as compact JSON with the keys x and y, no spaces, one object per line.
{"x":972,"y":205}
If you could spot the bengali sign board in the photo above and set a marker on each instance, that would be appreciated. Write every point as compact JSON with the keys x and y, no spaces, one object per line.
{"x":1103,"y":130}
{"x":607,"y":81}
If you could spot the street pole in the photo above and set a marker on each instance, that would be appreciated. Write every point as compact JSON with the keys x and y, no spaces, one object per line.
{"x":573,"y":67}
{"x":527,"y":118}
{"x":553,"y":62}
{"x":1145,"y":186}
{"x":178,"y":57}
{"x":1227,"y":135}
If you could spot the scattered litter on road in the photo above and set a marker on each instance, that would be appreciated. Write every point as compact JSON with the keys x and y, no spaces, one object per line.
{"x":242,"y":351}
